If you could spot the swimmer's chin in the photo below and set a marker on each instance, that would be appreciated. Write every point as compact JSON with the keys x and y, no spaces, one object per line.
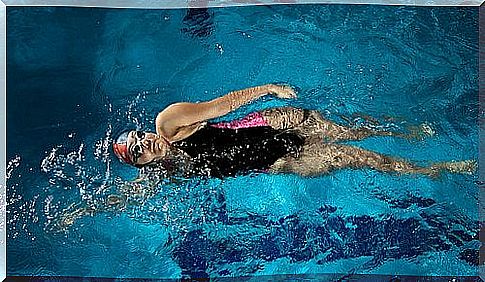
{"x":161,"y":148}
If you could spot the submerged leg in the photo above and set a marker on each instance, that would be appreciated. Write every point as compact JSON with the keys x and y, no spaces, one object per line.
{"x":319,"y":158}
{"x":311,"y":123}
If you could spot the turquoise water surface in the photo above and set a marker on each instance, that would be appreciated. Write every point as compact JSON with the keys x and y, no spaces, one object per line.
{"x":78,"y":76}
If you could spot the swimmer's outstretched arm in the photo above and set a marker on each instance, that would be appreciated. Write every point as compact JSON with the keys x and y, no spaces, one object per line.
{"x":180,"y":120}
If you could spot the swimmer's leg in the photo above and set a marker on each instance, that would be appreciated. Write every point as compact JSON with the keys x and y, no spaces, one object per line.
{"x":311,"y":123}
{"x":319,"y":158}
{"x":464,"y":167}
{"x":284,"y":117}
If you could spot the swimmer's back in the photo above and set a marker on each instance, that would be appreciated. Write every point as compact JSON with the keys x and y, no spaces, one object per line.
{"x":228,"y":152}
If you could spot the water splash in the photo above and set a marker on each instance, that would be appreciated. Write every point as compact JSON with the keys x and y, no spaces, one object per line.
{"x":20,"y":211}
{"x":136,"y":114}
{"x":81,"y":181}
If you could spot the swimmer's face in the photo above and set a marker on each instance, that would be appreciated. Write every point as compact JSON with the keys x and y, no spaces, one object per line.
{"x":146,"y":147}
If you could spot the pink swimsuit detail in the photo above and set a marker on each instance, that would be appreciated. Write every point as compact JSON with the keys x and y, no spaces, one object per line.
{"x":251,"y":120}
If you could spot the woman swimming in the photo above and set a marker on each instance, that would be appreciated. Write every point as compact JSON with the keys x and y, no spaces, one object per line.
{"x":276,"y":140}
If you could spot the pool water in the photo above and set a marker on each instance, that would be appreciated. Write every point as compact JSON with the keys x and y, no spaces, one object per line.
{"x":79,"y":76}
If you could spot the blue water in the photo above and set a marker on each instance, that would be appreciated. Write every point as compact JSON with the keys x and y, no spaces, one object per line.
{"x":78,"y":76}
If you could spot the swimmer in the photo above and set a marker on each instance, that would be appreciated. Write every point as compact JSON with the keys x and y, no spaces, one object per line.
{"x":275,"y":140}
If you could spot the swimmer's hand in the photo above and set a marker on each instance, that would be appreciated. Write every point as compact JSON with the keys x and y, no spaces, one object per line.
{"x":282,"y":91}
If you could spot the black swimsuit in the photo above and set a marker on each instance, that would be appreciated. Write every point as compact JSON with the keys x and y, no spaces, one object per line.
{"x":227,"y":152}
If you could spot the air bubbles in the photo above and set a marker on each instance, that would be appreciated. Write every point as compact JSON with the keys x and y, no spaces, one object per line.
{"x":47,"y":162}
{"x":12,"y":164}
{"x":101,"y":147}
{"x":245,"y":34}
{"x":427,"y":129}
{"x":219,"y":48}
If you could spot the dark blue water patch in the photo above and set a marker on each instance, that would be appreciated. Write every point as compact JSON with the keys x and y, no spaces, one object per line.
{"x":195,"y":254}
{"x":471,"y":256}
{"x":464,"y":235}
{"x":336,"y":238}
{"x":405,"y":202}
{"x":327,"y":209}
{"x":456,"y":237}
{"x":198,"y":22}
{"x":50,"y":78}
